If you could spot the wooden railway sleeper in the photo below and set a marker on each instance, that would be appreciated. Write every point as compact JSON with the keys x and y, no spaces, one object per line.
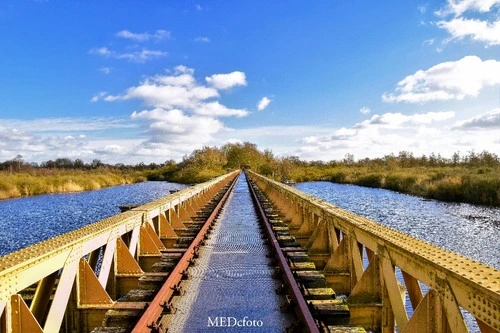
{"x":168,"y":308}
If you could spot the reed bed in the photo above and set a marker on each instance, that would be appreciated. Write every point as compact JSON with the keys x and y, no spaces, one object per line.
{"x":39,"y":181}
{"x":477,"y":185}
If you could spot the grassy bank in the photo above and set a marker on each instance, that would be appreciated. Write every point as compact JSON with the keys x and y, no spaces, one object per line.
{"x":45,"y":181}
{"x":477,"y":185}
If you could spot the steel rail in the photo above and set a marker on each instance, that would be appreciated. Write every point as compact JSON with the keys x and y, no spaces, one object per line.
{"x":302,"y":310}
{"x":149,"y":318}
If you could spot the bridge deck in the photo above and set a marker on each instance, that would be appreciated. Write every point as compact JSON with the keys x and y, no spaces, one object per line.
{"x":232,"y":279}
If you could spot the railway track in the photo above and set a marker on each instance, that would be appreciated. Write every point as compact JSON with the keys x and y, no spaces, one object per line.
{"x":308,"y":305}
{"x":141,"y":309}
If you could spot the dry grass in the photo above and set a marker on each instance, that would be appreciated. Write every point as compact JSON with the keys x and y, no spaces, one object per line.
{"x":44,"y":181}
{"x":477,"y":185}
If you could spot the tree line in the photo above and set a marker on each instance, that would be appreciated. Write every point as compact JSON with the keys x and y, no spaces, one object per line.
{"x":214,"y":160}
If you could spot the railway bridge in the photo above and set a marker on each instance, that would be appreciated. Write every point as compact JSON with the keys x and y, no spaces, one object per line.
{"x":293,"y":263}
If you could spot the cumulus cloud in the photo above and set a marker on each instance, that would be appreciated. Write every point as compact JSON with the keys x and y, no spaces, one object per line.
{"x":477,"y":30}
{"x":144,"y":36}
{"x":185,"y":112}
{"x":215,"y":109}
{"x":487,"y":120}
{"x":459,"y":7}
{"x":480,"y":28}
{"x":453,"y":80}
{"x":227,"y":81}
{"x":263,"y":103}
{"x":181,"y":90}
{"x":176,"y":127}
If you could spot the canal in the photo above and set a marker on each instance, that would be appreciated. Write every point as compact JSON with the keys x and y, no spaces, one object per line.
{"x":29,"y":220}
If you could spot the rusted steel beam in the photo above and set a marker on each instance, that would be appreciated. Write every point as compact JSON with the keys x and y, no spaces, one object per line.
{"x":301,"y":307}
{"x":148,"y":321}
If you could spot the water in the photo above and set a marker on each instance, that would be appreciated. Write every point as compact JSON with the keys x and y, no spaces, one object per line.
{"x":25,"y":221}
{"x":470,"y":230}
{"x":231,"y":282}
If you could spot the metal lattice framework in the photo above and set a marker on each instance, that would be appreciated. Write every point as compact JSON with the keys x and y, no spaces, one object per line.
{"x":74,"y":278}
{"x":337,"y":241}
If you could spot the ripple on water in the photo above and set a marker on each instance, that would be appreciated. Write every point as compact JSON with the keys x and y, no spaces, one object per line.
{"x":25,"y":221}
{"x":470,"y":230}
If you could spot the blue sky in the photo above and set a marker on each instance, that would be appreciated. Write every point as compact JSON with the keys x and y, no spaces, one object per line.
{"x":131,"y":81}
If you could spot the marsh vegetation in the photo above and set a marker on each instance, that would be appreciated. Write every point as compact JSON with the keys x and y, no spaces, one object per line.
{"x":471,"y":177}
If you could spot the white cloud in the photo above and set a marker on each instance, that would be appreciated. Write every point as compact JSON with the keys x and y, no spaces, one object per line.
{"x":459,"y":7}
{"x":176,"y":127}
{"x":422,"y":9}
{"x":477,"y":30}
{"x":142,"y":56}
{"x":105,"y":70}
{"x":215,"y":109}
{"x":227,"y":81}
{"x":67,"y":124}
{"x":181,"y":91}
{"x":102,"y":51}
{"x":447,"y":81}
{"x":99,"y":96}
{"x":263,"y":103}
{"x":185,"y":113}
{"x":135,"y":56}
{"x":365,"y":110}
{"x":32,"y":146}
{"x":480,"y":28}
{"x":428,"y":42}
{"x":487,"y":120}
{"x":202,"y":39}
{"x":144,"y":36}
{"x":393,"y":132}
{"x":156,"y":94}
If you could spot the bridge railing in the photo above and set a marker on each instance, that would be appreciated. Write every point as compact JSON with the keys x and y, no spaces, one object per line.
{"x":379,"y":269}
{"x":69,"y":282}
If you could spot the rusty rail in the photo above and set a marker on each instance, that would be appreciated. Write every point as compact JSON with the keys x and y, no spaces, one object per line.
{"x":301,"y":308}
